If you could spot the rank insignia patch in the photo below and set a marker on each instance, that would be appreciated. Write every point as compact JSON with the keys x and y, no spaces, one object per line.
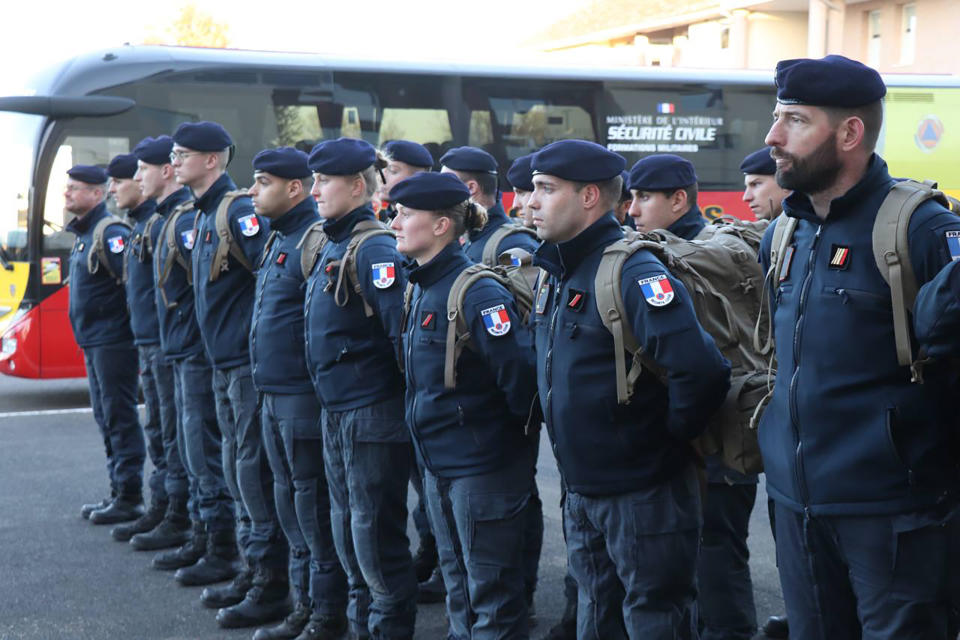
{"x":188,"y":237}
{"x":496,"y":320}
{"x":384,"y":274}
{"x":428,"y":320}
{"x":839,"y":257}
{"x":249,"y":225}
{"x":575,"y":300}
{"x":281,"y":258}
{"x":953,"y":244}
{"x":657,"y":290}
{"x":115,"y":244}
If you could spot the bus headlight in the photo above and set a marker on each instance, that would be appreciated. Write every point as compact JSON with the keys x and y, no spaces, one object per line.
{"x":9,"y":345}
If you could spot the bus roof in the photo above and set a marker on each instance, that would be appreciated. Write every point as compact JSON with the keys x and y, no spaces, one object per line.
{"x":109,"y":67}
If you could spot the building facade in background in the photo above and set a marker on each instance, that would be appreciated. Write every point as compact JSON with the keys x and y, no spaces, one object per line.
{"x":890,"y":35}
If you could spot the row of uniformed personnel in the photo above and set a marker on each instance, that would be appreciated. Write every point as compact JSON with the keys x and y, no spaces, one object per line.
{"x":865,"y":507}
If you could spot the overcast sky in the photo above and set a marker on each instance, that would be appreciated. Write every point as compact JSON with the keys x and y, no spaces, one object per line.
{"x":43,"y":32}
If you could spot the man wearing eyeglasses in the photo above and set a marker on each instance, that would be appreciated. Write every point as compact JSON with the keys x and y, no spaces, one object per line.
{"x":101,"y":325}
{"x":229,"y":241}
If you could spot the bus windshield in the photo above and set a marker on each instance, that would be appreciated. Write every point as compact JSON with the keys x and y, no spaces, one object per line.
{"x":18,"y":132}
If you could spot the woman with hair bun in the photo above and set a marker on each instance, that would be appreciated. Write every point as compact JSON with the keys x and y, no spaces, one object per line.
{"x":472,"y":438}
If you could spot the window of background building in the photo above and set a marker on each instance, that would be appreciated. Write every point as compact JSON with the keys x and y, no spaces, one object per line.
{"x":908,"y":34}
{"x":873,"y":38}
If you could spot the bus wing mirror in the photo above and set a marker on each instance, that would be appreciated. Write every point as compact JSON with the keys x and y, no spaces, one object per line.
{"x":67,"y":106}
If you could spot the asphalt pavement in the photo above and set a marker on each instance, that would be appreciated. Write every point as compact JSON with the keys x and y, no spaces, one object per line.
{"x":64,"y":578}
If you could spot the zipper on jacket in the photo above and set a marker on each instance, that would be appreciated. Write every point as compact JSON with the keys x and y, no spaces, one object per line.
{"x":797,"y":338}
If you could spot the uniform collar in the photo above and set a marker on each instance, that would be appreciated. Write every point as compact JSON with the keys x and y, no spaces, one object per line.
{"x":215,"y":193}
{"x":143,"y":210}
{"x":564,"y":257}
{"x":339,"y":230}
{"x":876,"y":178}
{"x":496,"y":217}
{"x":303,"y":213}
{"x":81,"y":224}
{"x":171,"y":201}
{"x":689,"y":225}
{"x":450,"y":257}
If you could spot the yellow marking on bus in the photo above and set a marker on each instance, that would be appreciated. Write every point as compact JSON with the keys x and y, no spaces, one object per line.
{"x":13,"y":285}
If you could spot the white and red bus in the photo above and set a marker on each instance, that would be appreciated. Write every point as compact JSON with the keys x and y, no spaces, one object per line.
{"x":98,"y":105}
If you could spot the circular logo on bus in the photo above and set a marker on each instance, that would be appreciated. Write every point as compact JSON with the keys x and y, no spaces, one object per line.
{"x":928,"y":134}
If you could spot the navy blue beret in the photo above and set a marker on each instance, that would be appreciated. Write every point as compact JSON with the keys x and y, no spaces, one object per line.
{"x":123,"y":166}
{"x":759,"y":163}
{"x":88,"y":173}
{"x":520,"y":174}
{"x":154,"y":150}
{"x":202,"y":136}
{"x":341,"y":157}
{"x":833,"y":81}
{"x":469,"y":159}
{"x":413,"y":153}
{"x":662,"y":171}
{"x":578,"y":161}
{"x":430,"y":191}
{"x":283,"y":162}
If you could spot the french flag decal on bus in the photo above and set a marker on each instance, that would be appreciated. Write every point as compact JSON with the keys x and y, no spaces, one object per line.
{"x":657,"y":290}
{"x":666,"y":107}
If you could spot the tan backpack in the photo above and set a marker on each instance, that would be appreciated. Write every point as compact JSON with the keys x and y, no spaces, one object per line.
{"x":891,"y":253}
{"x":313,"y":242}
{"x":98,"y":253}
{"x":226,"y":243}
{"x":458,"y":331}
{"x":724,"y":280}
{"x":491,"y":255}
{"x":168,"y":235}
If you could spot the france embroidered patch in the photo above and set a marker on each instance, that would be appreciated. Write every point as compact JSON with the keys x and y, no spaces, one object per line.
{"x":657,"y":290}
{"x":115,"y":244}
{"x":953,"y":244}
{"x":249,"y":225}
{"x":384,"y":274}
{"x":496,"y":320}
{"x":188,"y":238}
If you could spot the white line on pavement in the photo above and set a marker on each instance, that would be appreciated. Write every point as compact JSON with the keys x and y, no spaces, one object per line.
{"x":48,"y":412}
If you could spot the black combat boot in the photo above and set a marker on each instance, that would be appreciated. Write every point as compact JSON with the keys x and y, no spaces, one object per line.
{"x":123,"y":508}
{"x":323,"y":626}
{"x":425,"y":560}
{"x":216,"y":565}
{"x":228,"y":594}
{"x":186,"y":555}
{"x":433,"y":590}
{"x":776,"y":627}
{"x":90,"y":507}
{"x":172,"y":531}
{"x":291,"y":626}
{"x":144,"y":523}
{"x":266,"y":601}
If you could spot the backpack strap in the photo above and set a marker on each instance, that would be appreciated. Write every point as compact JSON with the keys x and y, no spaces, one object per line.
{"x":404,"y":319}
{"x":98,"y":253}
{"x":491,"y":250}
{"x":168,"y":235}
{"x":891,"y":252}
{"x":362,"y":231}
{"x":783,"y":230}
{"x":226,"y":245}
{"x":609,"y":299}
{"x":148,"y":232}
{"x":458,"y":333}
{"x":310,"y":246}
